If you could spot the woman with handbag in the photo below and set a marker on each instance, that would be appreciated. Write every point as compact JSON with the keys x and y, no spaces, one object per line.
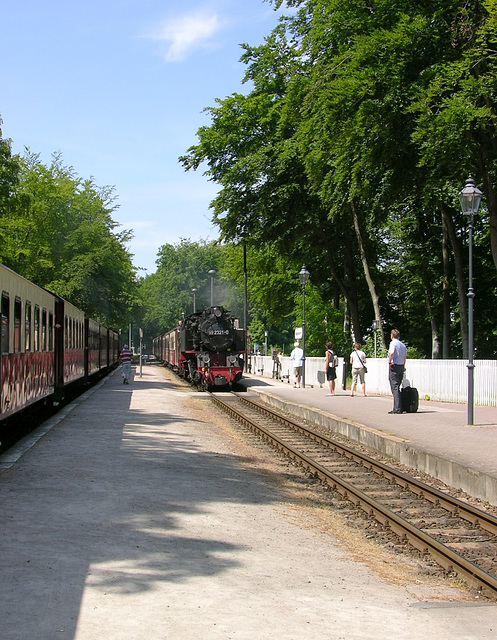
{"x":358,"y":362}
{"x":330,"y":366}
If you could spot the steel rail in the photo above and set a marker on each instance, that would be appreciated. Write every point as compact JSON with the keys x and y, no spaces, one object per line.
{"x":446,"y":557}
{"x":453,"y":505}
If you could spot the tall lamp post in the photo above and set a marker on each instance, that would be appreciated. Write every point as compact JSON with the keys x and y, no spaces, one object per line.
{"x":470,"y":198}
{"x":375,"y":329}
{"x":304,"y":279}
{"x":212,"y":273}
{"x":194,"y":291}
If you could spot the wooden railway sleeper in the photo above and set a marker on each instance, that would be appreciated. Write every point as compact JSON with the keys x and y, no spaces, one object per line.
{"x":418,"y":538}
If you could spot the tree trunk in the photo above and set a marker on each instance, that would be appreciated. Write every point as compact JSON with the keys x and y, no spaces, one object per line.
{"x":491,"y":202}
{"x":446,"y":292}
{"x":461,"y":290}
{"x":367,"y":272}
{"x":348,"y":291}
{"x":435,"y":336}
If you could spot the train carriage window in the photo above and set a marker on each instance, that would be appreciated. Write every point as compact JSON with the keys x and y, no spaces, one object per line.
{"x":50,"y":331}
{"x":44,"y":330}
{"x":5,"y":322}
{"x":17,"y":325}
{"x":66,"y":332}
{"x":27,"y":326}
{"x":37,"y":328}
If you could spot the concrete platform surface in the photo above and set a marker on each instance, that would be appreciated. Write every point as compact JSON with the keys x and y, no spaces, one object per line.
{"x":435,"y":440}
{"x":139,"y":515}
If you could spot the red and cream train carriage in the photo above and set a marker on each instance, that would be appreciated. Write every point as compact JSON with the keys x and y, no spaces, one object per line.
{"x":46,"y":344}
{"x":27,"y":344}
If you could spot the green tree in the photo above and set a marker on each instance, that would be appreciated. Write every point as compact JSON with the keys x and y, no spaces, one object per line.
{"x":181,"y":268}
{"x":347,"y":154}
{"x":265,"y":199}
{"x":9,"y":180}
{"x":60,"y":234}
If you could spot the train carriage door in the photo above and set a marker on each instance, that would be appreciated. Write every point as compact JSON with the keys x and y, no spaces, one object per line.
{"x":5,"y":322}
{"x":86,"y":347}
{"x":4,"y":345}
{"x":17,"y":325}
{"x":59,"y":343}
{"x":27,"y":326}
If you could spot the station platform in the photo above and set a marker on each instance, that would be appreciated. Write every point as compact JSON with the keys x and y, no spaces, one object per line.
{"x":140,"y":512}
{"x":436,"y":440}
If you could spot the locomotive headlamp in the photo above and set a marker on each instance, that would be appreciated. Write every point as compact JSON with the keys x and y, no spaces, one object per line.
{"x":218,"y":312}
{"x":203,"y":359}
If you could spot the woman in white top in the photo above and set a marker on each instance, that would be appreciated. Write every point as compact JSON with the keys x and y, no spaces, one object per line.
{"x":358,"y":362}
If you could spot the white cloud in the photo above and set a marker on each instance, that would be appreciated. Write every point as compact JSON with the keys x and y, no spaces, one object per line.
{"x":188,"y":32}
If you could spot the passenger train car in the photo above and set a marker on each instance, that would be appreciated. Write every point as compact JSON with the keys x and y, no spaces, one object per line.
{"x":207,"y":348}
{"x":47,"y":344}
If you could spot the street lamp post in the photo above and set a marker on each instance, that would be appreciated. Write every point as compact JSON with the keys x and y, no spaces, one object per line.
{"x":212,"y":273}
{"x":375,"y":328}
{"x":194,"y":291}
{"x":470,"y":198}
{"x":304,"y":279}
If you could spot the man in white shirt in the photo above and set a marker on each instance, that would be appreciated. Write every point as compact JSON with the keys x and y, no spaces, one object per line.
{"x":397,"y":353}
{"x":297,"y":356}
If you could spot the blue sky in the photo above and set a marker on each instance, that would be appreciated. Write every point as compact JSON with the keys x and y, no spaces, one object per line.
{"x":118,"y":87}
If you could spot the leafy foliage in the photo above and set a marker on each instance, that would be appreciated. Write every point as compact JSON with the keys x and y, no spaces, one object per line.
{"x":363,"y":120}
{"x":57,"y":230}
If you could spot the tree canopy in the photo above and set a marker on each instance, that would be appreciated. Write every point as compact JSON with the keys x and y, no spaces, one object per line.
{"x":57,"y":230}
{"x":362,"y":122}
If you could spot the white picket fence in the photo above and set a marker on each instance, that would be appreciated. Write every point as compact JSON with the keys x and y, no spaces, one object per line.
{"x":442,"y":380}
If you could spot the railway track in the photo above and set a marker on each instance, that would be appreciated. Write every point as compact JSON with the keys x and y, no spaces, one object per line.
{"x":461,"y":538}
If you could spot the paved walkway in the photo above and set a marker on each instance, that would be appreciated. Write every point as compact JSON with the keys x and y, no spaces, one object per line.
{"x":139,"y":516}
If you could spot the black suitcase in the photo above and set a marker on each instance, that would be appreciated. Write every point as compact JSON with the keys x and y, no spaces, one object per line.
{"x":410,"y":399}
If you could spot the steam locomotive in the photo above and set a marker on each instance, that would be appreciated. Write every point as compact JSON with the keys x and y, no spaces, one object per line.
{"x":206,"y":348}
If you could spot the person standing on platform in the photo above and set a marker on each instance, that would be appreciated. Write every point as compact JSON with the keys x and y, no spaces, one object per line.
{"x":297,"y":356}
{"x":126,"y":358}
{"x":397,"y":353}
{"x":331,"y":367}
{"x":358,"y":362}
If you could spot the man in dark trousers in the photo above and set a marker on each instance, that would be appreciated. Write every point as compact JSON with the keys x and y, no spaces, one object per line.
{"x":397,"y":353}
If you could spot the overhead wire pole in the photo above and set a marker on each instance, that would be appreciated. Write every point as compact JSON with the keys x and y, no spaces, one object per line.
{"x":245,"y":298}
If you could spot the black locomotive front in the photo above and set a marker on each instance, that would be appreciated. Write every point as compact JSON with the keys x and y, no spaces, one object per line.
{"x":211,"y":347}
{"x":215,"y":331}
